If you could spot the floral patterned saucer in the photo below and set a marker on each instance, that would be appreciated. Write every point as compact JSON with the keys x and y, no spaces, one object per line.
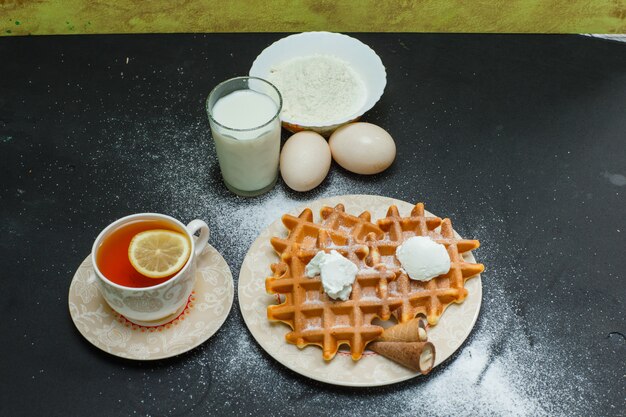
{"x":205,"y":312}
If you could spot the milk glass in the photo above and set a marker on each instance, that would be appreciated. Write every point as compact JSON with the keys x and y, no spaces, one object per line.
{"x":244,"y":114}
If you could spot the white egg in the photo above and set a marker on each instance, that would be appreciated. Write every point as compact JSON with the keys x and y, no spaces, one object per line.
{"x":305,"y":161}
{"x":362,"y":148}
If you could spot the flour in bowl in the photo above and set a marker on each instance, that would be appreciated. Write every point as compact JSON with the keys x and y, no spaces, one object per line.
{"x":318,"y":90}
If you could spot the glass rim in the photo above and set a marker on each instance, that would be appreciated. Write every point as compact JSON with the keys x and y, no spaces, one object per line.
{"x":277,"y":114}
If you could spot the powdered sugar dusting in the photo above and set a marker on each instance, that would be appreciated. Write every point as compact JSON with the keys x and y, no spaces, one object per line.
{"x":508,"y":366}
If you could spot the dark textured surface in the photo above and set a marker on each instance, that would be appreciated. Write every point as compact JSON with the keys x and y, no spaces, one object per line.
{"x":520,"y":140}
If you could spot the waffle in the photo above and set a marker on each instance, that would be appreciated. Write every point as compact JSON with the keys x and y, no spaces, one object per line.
{"x":381,"y":287}
{"x":429,"y":298}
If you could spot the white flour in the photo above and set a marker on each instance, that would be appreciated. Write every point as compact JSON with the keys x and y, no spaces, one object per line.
{"x":509,"y":366}
{"x":318,"y":89}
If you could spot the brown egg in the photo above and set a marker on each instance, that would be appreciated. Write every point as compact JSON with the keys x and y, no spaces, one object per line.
{"x":362,"y":148}
{"x":305,"y":161}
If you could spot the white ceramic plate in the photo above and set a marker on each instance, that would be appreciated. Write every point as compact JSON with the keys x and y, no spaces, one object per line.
{"x":204,"y":314}
{"x":453,"y":328}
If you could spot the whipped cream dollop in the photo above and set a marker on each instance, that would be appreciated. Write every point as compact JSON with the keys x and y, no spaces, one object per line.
{"x":422,"y":258}
{"x":337,"y":273}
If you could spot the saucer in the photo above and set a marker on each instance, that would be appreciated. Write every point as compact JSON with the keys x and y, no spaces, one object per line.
{"x":202,"y":316}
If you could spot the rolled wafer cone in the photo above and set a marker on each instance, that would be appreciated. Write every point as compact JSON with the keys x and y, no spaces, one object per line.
{"x":411,"y":331}
{"x":417,"y":356}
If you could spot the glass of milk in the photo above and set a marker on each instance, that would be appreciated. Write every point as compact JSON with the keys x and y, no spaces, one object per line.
{"x":245,"y":125}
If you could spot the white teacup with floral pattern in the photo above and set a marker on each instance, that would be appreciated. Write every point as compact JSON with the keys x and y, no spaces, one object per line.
{"x":160,"y":303}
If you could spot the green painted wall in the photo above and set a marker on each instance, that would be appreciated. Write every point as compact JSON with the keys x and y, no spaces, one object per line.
{"x":37,"y":17}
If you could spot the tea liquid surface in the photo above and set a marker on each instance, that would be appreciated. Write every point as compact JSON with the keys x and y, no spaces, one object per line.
{"x":112,"y":255}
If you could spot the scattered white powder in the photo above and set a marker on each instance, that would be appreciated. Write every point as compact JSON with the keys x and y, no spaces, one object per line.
{"x":318,"y":90}
{"x":509,"y":366}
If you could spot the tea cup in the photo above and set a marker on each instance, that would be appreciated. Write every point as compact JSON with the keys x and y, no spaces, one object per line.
{"x":158,"y":304}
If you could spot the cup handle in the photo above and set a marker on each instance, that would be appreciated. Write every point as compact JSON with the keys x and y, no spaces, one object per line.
{"x":202,"y":241}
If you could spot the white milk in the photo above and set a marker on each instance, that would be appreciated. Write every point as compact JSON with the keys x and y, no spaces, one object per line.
{"x":248,"y":158}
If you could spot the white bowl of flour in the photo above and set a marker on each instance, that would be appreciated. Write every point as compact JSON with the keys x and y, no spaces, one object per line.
{"x":326,"y":79}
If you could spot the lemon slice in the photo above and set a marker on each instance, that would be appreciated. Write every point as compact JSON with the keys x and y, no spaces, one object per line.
{"x":158,"y":253}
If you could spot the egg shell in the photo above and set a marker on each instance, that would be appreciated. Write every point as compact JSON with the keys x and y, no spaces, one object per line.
{"x":305,"y":161}
{"x":363,"y":148}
